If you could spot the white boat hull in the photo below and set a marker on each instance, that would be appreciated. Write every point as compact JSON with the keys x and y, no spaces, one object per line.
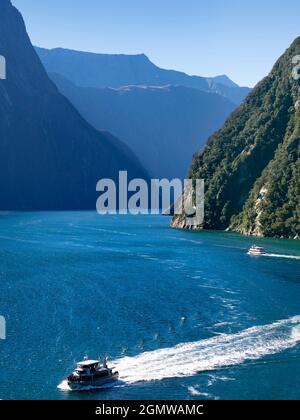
{"x":96,"y":383}
{"x":256,"y":254}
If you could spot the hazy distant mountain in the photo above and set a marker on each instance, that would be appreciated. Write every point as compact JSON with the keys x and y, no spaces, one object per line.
{"x":51,"y":158}
{"x":110,"y":70}
{"x":164,"y":126}
{"x":224,"y":80}
{"x":252,"y":165}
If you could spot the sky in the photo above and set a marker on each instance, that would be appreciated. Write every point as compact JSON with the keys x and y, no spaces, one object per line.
{"x":240,"y":38}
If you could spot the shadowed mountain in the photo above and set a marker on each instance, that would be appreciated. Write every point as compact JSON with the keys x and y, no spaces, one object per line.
{"x":165,"y":126}
{"x":51,"y":158}
{"x":111,"y":70}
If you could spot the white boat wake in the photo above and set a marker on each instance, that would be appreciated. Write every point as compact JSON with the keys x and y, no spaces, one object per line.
{"x":214,"y":353}
{"x":293,"y":257}
{"x":218,"y":352}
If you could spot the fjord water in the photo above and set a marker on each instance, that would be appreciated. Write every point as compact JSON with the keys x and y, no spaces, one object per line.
{"x":181,"y":314}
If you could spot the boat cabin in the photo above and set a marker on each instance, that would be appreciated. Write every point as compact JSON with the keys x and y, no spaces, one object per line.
{"x":87,"y":366}
{"x":91,"y":372}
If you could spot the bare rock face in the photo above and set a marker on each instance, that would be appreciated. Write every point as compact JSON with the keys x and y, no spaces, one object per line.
{"x":50,"y":157}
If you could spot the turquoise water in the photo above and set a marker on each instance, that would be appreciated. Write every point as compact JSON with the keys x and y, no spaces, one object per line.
{"x":181,"y":314}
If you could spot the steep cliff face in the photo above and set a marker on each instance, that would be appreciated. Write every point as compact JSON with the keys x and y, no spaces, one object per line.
{"x":50,"y":157}
{"x":251,"y":165}
{"x":273,"y":206}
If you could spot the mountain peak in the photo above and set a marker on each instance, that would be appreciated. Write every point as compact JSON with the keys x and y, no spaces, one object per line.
{"x":223,"y":79}
{"x":116,"y":70}
{"x":51,"y":158}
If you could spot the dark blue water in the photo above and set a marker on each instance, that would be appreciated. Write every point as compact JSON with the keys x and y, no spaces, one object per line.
{"x":182,"y":315}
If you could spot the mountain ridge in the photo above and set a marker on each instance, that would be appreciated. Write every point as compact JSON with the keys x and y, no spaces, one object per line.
{"x":88,"y":69}
{"x":51,"y":158}
{"x":251,"y":166}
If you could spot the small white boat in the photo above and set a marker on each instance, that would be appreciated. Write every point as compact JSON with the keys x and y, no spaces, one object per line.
{"x":256,"y":251}
{"x":91,"y":373}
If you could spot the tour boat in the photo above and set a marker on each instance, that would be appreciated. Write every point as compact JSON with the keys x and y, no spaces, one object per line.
{"x":256,"y":250}
{"x":91,"y":373}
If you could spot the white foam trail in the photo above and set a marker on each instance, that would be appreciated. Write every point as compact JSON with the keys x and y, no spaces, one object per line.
{"x":293,"y":257}
{"x":64,"y":386}
{"x":194,"y":392}
{"x":214,"y":378}
{"x":214,"y":353}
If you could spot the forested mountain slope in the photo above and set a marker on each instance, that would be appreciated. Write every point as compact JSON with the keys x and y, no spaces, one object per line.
{"x":251,"y":166}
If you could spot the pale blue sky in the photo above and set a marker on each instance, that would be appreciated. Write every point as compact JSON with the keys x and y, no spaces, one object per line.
{"x":241,"y":38}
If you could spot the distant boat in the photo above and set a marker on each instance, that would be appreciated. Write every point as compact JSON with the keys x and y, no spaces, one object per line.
{"x":91,"y":373}
{"x":256,"y":251}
